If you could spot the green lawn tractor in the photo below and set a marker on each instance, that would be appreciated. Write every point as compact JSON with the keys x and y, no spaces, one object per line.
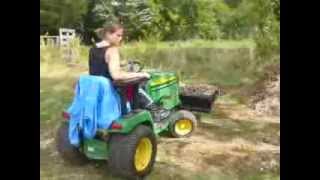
{"x":130,"y":144}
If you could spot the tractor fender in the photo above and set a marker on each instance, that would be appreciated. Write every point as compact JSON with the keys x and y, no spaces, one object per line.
{"x":132,"y":120}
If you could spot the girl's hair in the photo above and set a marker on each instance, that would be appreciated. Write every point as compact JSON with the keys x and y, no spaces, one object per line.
{"x":108,"y":29}
{"x":112,"y":28}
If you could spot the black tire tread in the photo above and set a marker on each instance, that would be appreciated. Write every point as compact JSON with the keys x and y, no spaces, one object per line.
{"x":122,"y":149}
{"x":67,"y":151}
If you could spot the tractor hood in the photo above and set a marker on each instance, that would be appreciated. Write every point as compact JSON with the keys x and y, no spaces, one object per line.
{"x":162,"y":78}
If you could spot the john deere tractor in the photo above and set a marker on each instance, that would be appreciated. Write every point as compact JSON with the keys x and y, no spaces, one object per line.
{"x":130,"y":144}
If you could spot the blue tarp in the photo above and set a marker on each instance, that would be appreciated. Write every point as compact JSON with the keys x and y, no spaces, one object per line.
{"x":96,"y":105}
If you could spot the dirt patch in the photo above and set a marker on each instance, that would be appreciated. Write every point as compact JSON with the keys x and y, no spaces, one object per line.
{"x":244,"y":112}
{"x":263,"y":97}
{"x":237,"y":156}
{"x":266,"y":99}
{"x":200,"y":89}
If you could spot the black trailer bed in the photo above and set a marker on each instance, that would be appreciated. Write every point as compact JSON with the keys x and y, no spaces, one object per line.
{"x":198,"y":97}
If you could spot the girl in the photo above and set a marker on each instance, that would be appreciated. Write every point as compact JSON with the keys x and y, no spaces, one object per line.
{"x":107,"y":60}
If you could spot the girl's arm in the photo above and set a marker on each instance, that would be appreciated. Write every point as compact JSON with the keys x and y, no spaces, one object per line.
{"x":112,"y":55}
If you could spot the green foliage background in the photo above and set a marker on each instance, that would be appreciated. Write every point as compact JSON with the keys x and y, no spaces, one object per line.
{"x":170,"y":20}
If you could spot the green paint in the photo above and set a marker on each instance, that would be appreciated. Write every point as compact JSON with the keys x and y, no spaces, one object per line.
{"x":98,"y":149}
{"x":95,"y":149}
{"x":132,"y":120}
{"x":163,"y":88}
{"x":161,"y":128}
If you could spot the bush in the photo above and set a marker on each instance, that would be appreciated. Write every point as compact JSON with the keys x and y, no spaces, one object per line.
{"x":268,"y":36}
{"x":264,"y":16}
{"x":206,"y":21}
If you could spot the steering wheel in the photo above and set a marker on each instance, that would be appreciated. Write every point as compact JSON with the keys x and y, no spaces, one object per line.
{"x":134,"y":66}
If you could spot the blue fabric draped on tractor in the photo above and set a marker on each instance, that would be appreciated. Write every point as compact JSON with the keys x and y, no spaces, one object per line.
{"x":96,"y":105}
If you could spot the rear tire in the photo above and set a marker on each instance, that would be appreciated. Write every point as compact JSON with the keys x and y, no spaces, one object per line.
{"x":123,"y":155}
{"x":183,"y":124}
{"x":67,"y":151}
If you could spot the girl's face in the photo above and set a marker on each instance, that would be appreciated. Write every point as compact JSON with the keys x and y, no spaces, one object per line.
{"x":115,"y":37}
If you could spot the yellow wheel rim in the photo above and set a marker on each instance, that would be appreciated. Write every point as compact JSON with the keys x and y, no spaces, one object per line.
{"x":143,"y":154}
{"x":183,"y":127}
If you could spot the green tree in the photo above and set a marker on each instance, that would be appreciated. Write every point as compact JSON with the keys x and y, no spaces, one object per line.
{"x":90,"y":23}
{"x":180,"y":20}
{"x":135,"y":15}
{"x":259,"y":19}
{"x":55,"y":14}
{"x":206,"y":21}
{"x":266,"y":19}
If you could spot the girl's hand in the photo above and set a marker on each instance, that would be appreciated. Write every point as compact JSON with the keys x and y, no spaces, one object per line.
{"x":146,"y":75}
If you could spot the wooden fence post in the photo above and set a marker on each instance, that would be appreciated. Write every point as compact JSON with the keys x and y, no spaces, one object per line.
{"x":66,"y":36}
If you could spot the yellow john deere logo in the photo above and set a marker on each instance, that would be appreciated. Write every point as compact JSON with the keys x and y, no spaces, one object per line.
{"x":162,"y":80}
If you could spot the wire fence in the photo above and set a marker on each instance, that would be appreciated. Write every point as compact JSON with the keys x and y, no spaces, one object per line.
{"x":65,"y":42}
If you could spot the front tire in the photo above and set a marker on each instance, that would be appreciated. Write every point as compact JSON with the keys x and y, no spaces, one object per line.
{"x":133,"y":155}
{"x":183,"y":124}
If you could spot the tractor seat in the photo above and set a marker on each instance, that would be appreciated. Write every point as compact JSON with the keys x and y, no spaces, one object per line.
{"x":128,"y":82}
{"x":128,"y":92}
